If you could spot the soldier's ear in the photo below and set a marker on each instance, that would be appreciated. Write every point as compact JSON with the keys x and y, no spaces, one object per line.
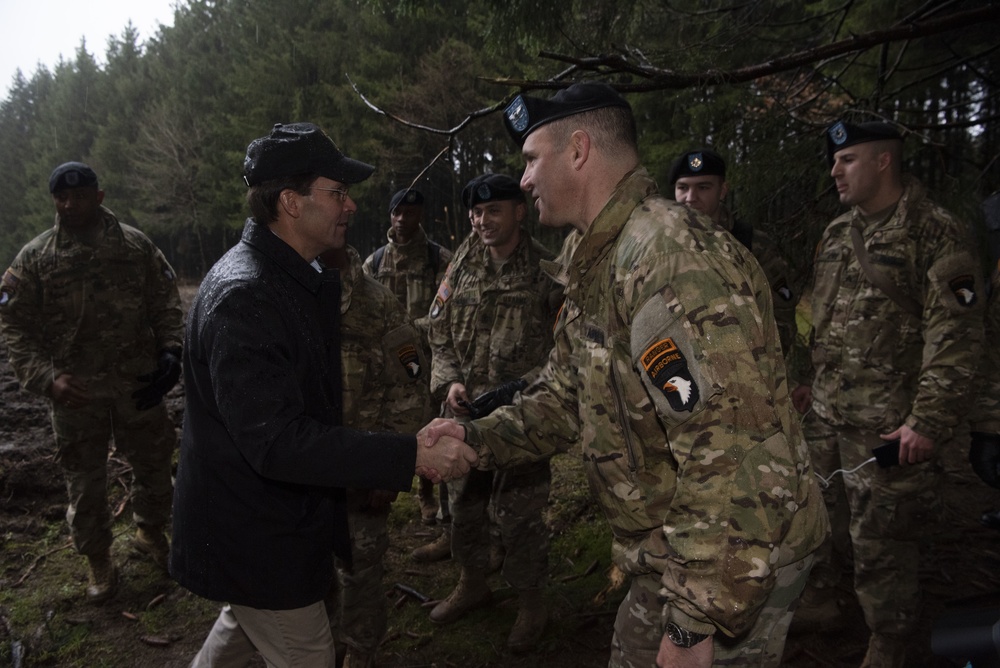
{"x":100,"y":197}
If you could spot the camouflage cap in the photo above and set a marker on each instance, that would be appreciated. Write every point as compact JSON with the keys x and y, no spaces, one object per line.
{"x":841,"y":134}
{"x":491,"y":188}
{"x":698,"y":162}
{"x":300,"y":148}
{"x":526,"y":114}
{"x":406,"y":196}
{"x":72,"y":175}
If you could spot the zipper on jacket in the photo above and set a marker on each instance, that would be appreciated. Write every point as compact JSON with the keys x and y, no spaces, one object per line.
{"x":622,"y":415}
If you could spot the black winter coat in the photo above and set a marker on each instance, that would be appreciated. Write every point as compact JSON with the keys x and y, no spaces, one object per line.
{"x":258,"y":501}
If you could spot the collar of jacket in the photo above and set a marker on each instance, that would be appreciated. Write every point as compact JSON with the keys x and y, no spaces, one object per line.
{"x":600,"y":237}
{"x":284,"y":256}
{"x":913,"y":193}
{"x":109,"y":228}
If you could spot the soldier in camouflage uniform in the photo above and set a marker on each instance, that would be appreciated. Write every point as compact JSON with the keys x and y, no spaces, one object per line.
{"x":698,"y":178}
{"x":384,"y":389}
{"x":490,"y":330}
{"x":897,"y":315}
{"x":92,"y":320}
{"x":667,"y":369}
{"x":412,"y":266}
{"x":984,"y":419}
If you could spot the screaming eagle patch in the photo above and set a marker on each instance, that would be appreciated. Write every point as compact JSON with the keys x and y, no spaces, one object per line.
{"x":964,"y":288}
{"x":667,"y":368}
{"x":410,"y":360}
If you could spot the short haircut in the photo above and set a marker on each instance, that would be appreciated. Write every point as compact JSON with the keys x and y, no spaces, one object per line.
{"x":611,"y":128}
{"x":894,"y":147}
{"x":263,"y":197}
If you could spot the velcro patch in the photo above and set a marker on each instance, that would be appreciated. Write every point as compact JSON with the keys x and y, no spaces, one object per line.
{"x":410,"y":360}
{"x":667,"y":368}
{"x":442,"y":296}
{"x":964,"y":288}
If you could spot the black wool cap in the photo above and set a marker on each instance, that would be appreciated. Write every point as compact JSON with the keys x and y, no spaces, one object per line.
{"x":698,"y":162}
{"x":300,"y":148}
{"x":406,"y":196}
{"x":71,"y":175}
{"x":526,"y":114}
{"x":840,"y":135}
{"x":491,"y":188}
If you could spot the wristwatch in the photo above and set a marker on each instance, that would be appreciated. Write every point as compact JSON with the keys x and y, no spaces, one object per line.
{"x":682,"y":637}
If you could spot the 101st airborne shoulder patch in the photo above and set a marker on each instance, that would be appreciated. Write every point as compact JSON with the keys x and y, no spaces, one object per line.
{"x":964,"y":288}
{"x":410,"y":360}
{"x":8,"y":286}
{"x":442,"y":296}
{"x":667,"y":368}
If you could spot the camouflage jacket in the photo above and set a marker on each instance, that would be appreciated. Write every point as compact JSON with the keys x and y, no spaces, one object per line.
{"x":666,"y":365}
{"x":783,"y":293}
{"x":101,"y":312}
{"x":985,"y":413}
{"x":383,"y":364}
{"x":407,"y":271}
{"x":877,"y":365}
{"x":489,"y":327}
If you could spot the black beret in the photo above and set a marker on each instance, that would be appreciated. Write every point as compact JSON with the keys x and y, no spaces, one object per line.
{"x":71,"y":175}
{"x":840,"y":135}
{"x":698,"y":162}
{"x":406,"y":196}
{"x":491,"y":188}
{"x":526,"y":114}
{"x":300,"y":148}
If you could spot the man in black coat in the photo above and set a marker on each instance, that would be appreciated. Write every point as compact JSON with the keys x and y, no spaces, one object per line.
{"x":259,"y":498}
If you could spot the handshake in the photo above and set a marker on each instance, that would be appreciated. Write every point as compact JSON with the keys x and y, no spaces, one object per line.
{"x":442,"y":453}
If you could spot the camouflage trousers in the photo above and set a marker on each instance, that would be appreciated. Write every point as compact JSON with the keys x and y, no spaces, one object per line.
{"x":146,"y":439}
{"x":515,"y":499}
{"x":885,"y":512}
{"x":358,"y":609}
{"x":639,"y":626}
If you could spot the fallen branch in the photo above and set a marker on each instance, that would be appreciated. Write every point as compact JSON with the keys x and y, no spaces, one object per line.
{"x":37,"y":560}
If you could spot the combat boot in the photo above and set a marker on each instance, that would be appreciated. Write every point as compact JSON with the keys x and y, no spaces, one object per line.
{"x":356,"y":658}
{"x":818,"y":610}
{"x":428,"y":502}
{"x":102,"y":578}
{"x":471,"y":592}
{"x":437,"y":550}
{"x":530,"y":622}
{"x":885,"y":651}
{"x":150,"y":541}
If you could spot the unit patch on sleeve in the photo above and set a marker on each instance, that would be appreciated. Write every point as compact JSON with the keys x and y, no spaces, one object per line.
{"x":410,"y":360}
{"x":443,"y":293}
{"x":667,"y":368}
{"x":964,"y":288}
{"x":8,"y":286}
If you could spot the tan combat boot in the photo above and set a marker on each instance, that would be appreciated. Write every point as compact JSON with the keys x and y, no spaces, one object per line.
{"x":885,"y":651}
{"x":471,"y":592}
{"x":530,"y":622}
{"x":437,"y":550}
{"x":102,"y":577}
{"x":150,"y":541}
{"x":428,"y":502}
{"x":355,"y":658}
{"x":817,"y":610}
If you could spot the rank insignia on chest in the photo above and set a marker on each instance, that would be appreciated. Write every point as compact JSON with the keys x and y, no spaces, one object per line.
{"x":410,"y":360}
{"x":668,"y":370}
{"x":964,"y":288}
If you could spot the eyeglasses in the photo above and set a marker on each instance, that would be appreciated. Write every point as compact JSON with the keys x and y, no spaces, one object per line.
{"x":340,"y":191}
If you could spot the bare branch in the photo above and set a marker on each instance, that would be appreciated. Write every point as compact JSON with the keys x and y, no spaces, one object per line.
{"x":661,"y":79}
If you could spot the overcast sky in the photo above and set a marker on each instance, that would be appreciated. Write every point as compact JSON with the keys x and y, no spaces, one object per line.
{"x":38,"y":31}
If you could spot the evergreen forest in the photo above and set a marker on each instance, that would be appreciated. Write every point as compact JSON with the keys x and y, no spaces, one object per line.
{"x":416,"y":88}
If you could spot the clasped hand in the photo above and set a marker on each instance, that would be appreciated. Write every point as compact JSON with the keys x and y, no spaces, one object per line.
{"x":442,"y":455}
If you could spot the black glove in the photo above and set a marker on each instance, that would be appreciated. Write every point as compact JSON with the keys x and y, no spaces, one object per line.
{"x":984,"y":455}
{"x":501,"y":395}
{"x":168,"y":371}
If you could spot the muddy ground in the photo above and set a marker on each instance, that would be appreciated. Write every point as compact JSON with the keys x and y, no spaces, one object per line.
{"x":44,"y":620}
